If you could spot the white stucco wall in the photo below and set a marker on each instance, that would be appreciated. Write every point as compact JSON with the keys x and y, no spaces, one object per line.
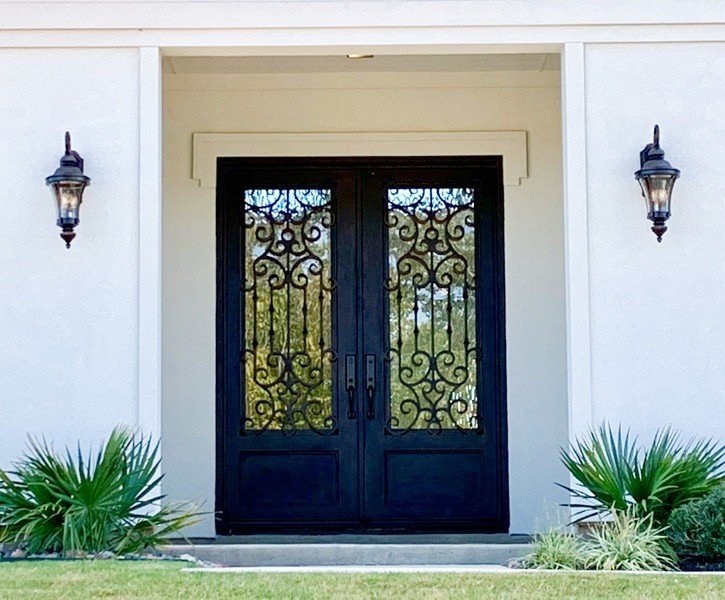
{"x":657,"y":320}
{"x":337,"y":102}
{"x":68,"y":318}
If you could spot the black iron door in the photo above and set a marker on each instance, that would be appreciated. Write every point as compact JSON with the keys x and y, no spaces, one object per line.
{"x":361,"y":345}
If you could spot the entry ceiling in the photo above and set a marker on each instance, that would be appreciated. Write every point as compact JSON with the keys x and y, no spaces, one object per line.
{"x":233,"y":65}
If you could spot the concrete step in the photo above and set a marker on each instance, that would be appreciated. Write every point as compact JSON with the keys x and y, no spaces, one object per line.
{"x":351,"y":554}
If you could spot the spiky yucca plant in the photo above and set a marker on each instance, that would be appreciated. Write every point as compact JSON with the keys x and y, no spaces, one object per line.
{"x":614,"y":472}
{"x":62,"y":503}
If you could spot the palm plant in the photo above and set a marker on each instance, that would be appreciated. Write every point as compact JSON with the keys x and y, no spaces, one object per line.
{"x":614,"y":472}
{"x":75,"y":504}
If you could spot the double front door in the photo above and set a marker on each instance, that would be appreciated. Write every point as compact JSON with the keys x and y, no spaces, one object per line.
{"x":361,"y":345}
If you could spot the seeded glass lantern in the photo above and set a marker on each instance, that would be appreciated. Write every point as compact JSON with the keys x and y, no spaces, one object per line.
{"x":67,"y":184}
{"x":656,"y":177}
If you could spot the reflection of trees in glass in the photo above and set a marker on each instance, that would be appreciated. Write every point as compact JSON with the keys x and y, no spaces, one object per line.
{"x":431,"y":292}
{"x":287,"y":309}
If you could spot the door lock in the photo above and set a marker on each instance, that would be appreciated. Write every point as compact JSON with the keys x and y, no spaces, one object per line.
{"x":350,"y":377}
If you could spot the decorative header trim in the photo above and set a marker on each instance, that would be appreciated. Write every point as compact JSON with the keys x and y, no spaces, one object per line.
{"x":207,"y":147}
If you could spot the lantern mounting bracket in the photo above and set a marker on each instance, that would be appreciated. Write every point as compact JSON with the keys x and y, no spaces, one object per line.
{"x":649,"y":151}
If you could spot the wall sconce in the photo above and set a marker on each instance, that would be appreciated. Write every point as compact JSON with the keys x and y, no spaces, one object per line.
{"x":656,"y":178}
{"x":68,"y":183}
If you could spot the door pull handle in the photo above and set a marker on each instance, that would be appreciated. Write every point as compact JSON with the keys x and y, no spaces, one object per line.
{"x":370,"y":384}
{"x":350,"y":377}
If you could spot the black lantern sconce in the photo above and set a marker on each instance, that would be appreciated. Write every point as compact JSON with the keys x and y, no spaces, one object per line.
{"x":656,"y":178}
{"x":68,"y":183}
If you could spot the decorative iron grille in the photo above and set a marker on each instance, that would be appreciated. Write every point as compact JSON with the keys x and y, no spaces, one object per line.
{"x":432,"y":349}
{"x":288,"y":294}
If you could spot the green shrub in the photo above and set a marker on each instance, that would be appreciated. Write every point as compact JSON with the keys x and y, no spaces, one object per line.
{"x":697,"y":529}
{"x":73,"y":505}
{"x":555,"y":549}
{"x":627,"y":543}
{"x":613,"y":472}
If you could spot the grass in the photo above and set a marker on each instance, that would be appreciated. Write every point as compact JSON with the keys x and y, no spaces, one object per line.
{"x":78,"y":580}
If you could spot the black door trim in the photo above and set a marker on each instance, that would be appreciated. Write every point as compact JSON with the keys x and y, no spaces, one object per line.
{"x":225,"y":166}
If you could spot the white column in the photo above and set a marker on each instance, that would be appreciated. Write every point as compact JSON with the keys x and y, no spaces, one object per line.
{"x":149,"y":291}
{"x":576,"y":239}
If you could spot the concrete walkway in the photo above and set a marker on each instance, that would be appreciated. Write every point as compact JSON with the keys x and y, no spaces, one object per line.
{"x":487,"y":569}
{"x":359,"y":569}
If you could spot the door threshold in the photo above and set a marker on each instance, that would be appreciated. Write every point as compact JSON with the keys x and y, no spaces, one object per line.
{"x":363,"y":538}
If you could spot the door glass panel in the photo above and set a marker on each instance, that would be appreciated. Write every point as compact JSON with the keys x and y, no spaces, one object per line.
{"x":288,"y":293}
{"x":431,"y":288}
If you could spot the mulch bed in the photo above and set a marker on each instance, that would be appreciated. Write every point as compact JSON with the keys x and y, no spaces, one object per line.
{"x":699,"y":566}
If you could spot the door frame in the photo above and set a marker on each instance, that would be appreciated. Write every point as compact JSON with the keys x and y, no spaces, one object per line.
{"x":222,"y":525}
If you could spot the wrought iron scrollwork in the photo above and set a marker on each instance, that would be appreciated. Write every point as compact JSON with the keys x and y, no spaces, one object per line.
{"x":432,"y":353}
{"x":288,"y":293}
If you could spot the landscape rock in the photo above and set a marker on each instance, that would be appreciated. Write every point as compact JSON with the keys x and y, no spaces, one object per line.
{"x":207,"y":564}
{"x":188,"y":558}
{"x":7,"y":552}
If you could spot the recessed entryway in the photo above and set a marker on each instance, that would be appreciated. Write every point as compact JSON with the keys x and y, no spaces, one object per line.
{"x":412,"y":106}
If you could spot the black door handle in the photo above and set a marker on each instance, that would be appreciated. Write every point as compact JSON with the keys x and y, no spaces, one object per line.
{"x":350,"y":377}
{"x":370,"y":384}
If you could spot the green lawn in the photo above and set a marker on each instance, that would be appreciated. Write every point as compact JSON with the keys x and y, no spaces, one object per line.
{"x":49,"y":580}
